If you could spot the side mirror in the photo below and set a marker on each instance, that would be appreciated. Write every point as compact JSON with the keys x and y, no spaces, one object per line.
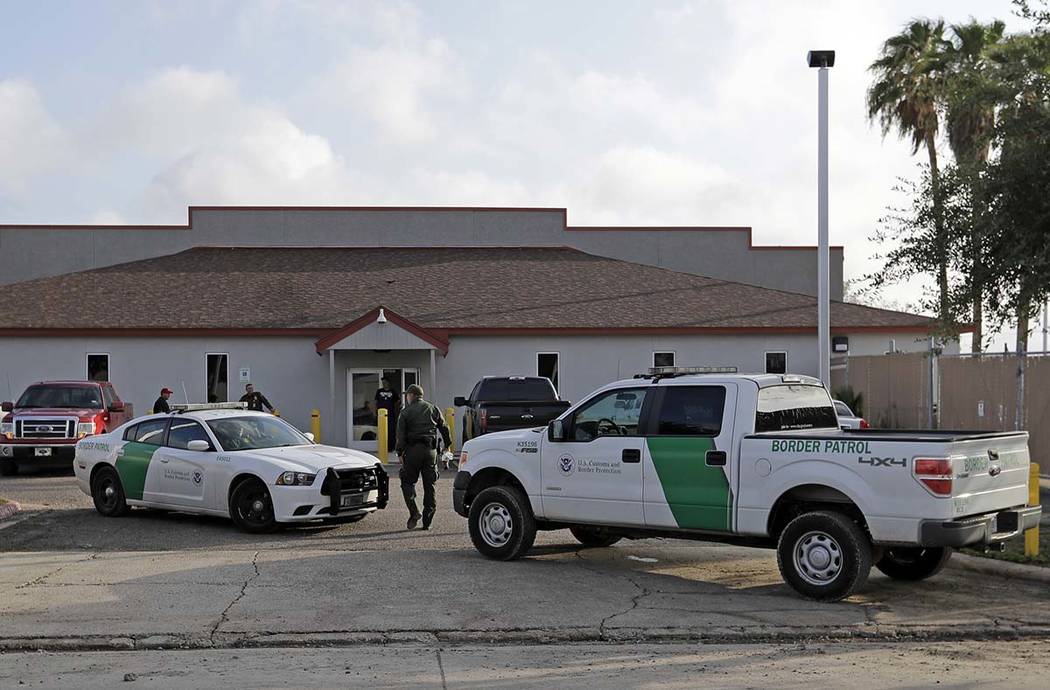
{"x":310,"y":436}
{"x":459,"y":401}
{"x":116,"y":407}
{"x":7,"y":407}
{"x":556,"y":431}
{"x":198,"y":445}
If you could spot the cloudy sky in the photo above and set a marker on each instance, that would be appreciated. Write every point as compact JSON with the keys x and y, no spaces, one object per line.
{"x":680,"y":112}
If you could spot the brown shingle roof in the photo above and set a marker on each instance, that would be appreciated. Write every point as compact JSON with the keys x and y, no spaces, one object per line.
{"x":436,"y":288}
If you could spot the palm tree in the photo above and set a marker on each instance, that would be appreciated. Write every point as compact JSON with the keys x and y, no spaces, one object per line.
{"x":906,"y":96}
{"x":971,"y":105}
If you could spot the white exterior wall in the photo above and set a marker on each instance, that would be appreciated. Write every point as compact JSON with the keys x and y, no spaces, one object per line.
{"x":296,"y":379}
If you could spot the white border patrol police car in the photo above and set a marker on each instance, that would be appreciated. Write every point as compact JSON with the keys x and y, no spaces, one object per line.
{"x":221,"y":459}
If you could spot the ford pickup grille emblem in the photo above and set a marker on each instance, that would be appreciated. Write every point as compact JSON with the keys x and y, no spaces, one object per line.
{"x":45,"y":428}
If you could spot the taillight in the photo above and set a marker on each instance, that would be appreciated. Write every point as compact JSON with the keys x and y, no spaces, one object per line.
{"x":483,"y":419}
{"x":864,"y":424}
{"x":935,"y":474}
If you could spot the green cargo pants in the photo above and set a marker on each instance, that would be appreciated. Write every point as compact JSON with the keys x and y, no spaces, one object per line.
{"x":419,"y":460}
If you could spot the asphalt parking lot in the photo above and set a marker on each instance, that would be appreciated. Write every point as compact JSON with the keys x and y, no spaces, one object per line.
{"x":74,"y":582}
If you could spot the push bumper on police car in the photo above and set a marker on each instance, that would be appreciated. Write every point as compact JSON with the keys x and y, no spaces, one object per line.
{"x":335,"y":493}
{"x":989,"y":528}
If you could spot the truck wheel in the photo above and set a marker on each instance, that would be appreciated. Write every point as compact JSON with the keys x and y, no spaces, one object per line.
{"x":594,"y":537}
{"x":824,"y":556}
{"x":251,"y":507}
{"x":108,"y":493}
{"x":913,"y":562}
{"x":501,"y":523}
{"x":8,"y":468}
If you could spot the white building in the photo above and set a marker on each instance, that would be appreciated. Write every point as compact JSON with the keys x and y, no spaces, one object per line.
{"x":314,"y":305}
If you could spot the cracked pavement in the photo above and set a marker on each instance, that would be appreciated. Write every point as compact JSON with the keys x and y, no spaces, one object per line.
{"x":72,"y":580}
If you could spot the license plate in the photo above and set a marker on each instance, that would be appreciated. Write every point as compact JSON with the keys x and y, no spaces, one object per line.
{"x":352,"y":500}
{"x":41,"y":452}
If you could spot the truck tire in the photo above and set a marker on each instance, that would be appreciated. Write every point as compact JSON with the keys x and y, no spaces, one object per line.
{"x":502,"y":526}
{"x":252,"y":508}
{"x":108,"y":493}
{"x":594,"y":537}
{"x":8,"y":468}
{"x":913,"y":562}
{"x":824,"y":556}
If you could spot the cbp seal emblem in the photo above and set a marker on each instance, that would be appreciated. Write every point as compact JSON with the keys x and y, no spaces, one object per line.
{"x":566,"y":465}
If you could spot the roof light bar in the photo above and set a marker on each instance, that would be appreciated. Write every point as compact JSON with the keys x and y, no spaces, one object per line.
{"x":194,"y":407}
{"x":683,"y":371}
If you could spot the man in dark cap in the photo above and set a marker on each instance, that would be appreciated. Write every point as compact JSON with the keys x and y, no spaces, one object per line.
{"x":162,"y":402}
{"x":418,"y":427}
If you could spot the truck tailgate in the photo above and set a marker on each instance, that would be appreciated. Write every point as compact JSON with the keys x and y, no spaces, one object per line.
{"x":512,"y":414}
{"x":990,"y":474}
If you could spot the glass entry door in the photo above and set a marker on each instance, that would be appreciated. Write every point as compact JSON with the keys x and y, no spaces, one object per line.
{"x":363,"y":386}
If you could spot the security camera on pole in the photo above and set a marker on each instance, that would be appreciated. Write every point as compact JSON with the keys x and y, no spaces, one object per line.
{"x":823,"y":59}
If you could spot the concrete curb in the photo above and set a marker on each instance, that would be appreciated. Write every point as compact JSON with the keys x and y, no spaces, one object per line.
{"x":759,"y":634}
{"x":992,"y":566}
{"x":8,"y":510}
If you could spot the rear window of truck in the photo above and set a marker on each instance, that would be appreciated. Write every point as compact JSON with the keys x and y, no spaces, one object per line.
{"x":505,"y":390}
{"x":789,"y":407}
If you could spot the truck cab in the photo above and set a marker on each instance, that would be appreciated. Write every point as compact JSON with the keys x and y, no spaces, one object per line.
{"x":750,"y":459}
{"x":42,"y":427}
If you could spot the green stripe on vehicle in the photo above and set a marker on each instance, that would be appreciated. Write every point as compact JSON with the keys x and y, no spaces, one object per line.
{"x":132,"y":465}
{"x":697,"y":494}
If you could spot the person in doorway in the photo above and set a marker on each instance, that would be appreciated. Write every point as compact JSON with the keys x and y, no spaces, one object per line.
{"x":256,"y":400}
{"x":418,"y":428}
{"x":387,"y":399}
{"x":161,"y":405}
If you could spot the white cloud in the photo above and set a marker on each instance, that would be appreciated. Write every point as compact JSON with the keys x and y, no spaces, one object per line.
{"x":32,"y":142}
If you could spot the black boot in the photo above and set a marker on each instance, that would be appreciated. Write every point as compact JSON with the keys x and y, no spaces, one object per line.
{"x":413,"y":520}
{"x":428,"y":517}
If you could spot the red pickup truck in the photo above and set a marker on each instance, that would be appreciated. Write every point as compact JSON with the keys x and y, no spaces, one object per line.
{"x":43,"y":427}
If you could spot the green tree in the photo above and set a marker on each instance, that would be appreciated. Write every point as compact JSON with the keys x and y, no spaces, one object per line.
{"x":906,"y":96}
{"x":971,"y":102}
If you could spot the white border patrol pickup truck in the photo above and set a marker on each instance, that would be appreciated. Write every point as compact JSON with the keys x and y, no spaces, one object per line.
{"x":757,"y":460}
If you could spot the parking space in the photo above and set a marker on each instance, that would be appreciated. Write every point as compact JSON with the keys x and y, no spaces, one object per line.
{"x":70,"y":576}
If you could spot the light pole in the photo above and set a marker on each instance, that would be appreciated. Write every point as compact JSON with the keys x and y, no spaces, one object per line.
{"x":823,"y":59}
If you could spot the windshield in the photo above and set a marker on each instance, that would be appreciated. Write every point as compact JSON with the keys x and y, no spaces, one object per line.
{"x":255,"y":432}
{"x":61,"y":396}
{"x":510,"y":390}
{"x":782,"y":408}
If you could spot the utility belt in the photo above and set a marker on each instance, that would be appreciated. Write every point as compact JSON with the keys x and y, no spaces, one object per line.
{"x":429,"y":442}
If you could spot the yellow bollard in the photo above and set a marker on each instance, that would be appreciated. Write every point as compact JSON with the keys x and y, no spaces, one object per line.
{"x":450,"y":422}
{"x":382,"y":433}
{"x":315,"y":424}
{"x":1031,"y":537}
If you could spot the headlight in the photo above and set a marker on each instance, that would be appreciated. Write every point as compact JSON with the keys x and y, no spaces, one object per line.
{"x":7,"y":430}
{"x":85,"y":429}
{"x":295,"y":479}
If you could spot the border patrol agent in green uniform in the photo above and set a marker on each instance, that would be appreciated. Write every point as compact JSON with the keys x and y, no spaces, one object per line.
{"x":418,"y":427}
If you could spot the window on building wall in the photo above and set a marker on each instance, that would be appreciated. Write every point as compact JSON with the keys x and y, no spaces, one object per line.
{"x":218,"y":379}
{"x":547,"y":365}
{"x":97,"y":366}
{"x":663,"y":359}
{"x":776,"y":362}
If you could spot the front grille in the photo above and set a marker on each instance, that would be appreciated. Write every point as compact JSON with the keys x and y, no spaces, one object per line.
{"x":45,"y":428}
{"x":352,"y":481}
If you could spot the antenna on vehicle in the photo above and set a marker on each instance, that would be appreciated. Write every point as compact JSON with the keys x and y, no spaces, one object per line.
{"x":185,"y":395}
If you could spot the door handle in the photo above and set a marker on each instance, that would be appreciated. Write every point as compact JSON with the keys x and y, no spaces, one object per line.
{"x":164,"y":460}
{"x":715,"y":458}
{"x":632,"y":455}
